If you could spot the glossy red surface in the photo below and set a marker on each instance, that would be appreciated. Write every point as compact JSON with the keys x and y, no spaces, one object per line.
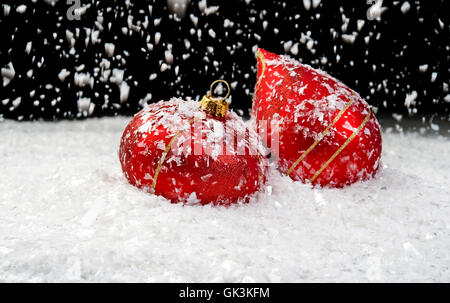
{"x":222,"y":179}
{"x":305,"y":101}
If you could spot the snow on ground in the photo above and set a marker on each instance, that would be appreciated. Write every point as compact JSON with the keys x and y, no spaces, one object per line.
{"x":67,"y":214}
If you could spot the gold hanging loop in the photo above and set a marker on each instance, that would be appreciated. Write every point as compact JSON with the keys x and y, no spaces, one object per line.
{"x":212,"y":86}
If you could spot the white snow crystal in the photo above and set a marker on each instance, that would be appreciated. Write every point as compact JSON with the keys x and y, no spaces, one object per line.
{"x":294,"y":49}
{"x":349,"y":38}
{"x":28,"y":47}
{"x":434,"y":126}
{"x":307,"y":4}
{"x":423,"y":68}
{"x":410,"y":99}
{"x":203,"y":6}
{"x":85,"y":105}
{"x":63,"y":74}
{"x":16,"y":102}
{"x":6,"y":9}
{"x":164,"y":67}
{"x":441,"y":24}
{"x":287,"y":45}
{"x":212,"y":33}
{"x":157,"y":37}
{"x":117,"y":76}
{"x":168,"y":56}
{"x":376,"y":10}
{"x":178,"y":7}
{"x":315,"y":3}
{"x":194,"y":19}
{"x":109,"y":49}
{"x":360,"y":23}
{"x":434,"y":76}
{"x":83,"y":79}
{"x":8,"y":73}
{"x":70,"y":37}
{"x":405,"y":7}
{"x":124,"y":91}
{"x":82,"y":10}
{"x":21,"y":9}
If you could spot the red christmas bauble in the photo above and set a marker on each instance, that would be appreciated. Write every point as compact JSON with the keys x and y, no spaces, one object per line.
{"x":175,"y":150}
{"x":325,"y":133}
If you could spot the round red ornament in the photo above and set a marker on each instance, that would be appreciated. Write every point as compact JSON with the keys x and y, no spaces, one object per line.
{"x":193,"y":152}
{"x":321,"y":131}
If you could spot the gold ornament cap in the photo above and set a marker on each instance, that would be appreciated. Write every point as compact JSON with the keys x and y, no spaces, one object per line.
{"x":216,"y":106}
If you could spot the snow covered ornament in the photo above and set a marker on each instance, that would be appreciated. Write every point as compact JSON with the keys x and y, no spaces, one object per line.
{"x":191,"y":152}
{"x":326,"y":132}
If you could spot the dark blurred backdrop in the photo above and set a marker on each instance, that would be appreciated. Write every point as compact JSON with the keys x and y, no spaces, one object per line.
{"x":57,"y":68}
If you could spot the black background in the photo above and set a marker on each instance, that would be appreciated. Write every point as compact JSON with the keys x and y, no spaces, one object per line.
{"x":169,"y":292}
{"x":399,"y":43}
